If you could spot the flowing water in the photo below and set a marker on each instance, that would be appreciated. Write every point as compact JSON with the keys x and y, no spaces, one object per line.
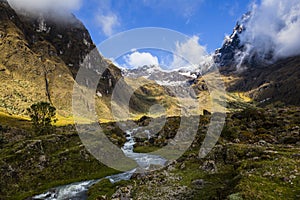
{"x":78,"y":190}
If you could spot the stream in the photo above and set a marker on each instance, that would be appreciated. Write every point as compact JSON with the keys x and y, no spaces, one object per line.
{"x":78,"y":190}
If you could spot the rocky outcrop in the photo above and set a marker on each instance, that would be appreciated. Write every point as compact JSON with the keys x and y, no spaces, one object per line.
{"x":226,"y":56}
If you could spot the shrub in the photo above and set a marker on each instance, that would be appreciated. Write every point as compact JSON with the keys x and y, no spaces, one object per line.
{"x":42,"y":116}
{"x":229,"y":132}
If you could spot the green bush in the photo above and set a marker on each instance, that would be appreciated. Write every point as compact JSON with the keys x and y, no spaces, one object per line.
{"x":230,"y":133}
{"x":42,"y":116}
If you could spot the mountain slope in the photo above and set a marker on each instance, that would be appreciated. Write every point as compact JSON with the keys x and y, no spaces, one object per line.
{"x":277,"y":82}
{"x":40,"y":56}
{"x":261,"y":76}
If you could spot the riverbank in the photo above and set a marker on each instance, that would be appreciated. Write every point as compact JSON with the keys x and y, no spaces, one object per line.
{"x":78,"y":190}
{"x":31,"y":164}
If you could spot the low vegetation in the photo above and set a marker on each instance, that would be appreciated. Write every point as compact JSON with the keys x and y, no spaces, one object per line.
{"x":257,"y":157}
{"x":42,"y":115}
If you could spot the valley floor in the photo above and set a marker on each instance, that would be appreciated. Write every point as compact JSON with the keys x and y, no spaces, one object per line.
{"x":257,"y":157}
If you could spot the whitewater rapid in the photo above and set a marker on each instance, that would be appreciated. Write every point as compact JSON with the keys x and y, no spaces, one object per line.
{"x":78,"y":190}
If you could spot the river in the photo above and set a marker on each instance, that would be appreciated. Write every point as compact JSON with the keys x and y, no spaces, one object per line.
{"x":78,"y":190}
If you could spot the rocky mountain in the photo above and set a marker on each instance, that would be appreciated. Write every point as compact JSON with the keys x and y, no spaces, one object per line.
{"x":261,"y":76}
{"x":163,"y":77}
{"x":40,"y":56}
{"x":226,"y":55}
{"x":235,"y":53}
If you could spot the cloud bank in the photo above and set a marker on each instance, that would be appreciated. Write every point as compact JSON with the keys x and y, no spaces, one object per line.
{"x":137,"y":59}
{"x":46,"y":5}
{"x":190,"y":53}
{"x":274,"y":27}
{"x":187,"y":54}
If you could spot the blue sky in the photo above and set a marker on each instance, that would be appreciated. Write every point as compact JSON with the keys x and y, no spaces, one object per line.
{"x":205,"y":22}
{"x":273,"y":26}
{"x":209,"y":20}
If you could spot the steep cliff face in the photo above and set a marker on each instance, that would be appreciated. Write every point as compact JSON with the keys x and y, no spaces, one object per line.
{"x":40,"y":57}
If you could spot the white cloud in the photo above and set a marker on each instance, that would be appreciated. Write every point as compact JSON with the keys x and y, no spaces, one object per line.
{"x":108,"y":23}
{"x":274,"y":26}
{"x":44,"y":5}
{"x":189,"y":53}
{"x":137,"y":59}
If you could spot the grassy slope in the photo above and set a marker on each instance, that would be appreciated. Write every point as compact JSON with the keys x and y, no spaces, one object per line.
{"x":31,"y":164}
{"x":247,"y":167}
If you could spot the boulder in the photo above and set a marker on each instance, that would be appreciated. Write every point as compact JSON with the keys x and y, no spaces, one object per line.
{"x":198,"y":182}
{"x":209,"y":166}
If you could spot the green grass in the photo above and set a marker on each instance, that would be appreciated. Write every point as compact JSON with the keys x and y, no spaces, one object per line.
{"x":276,"y":177}
{"x":104,"y":189}
{"x":67,"y":162}
{"x":14,"y":121}
{"x":23,"y":174}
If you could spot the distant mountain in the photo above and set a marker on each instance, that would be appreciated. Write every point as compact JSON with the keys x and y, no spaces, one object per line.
{"x":183,"y":77}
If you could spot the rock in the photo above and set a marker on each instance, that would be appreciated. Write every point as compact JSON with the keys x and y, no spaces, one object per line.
{"x":182,"y":167}
{"x":99,"y":94}
{"x":103,"y":197}
{"x":153,"y":167}
{"x":235,"y":196}
{"x":255,"y":158}
{"x":209,"y":166}
{"x":206,"y":112}
{"x":292,"y":177}
{"x":42,"y":158}
{"x":266,"y":174}
{"x":285,"y":179}
{"x":171,"y":168}
{"x":236,"y":140}
{"x":198,"y":182}
{"x":270,"y":152}
{"x":296,"y":155}
{"x":263,"y":143}
{"x":123,"y":193}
